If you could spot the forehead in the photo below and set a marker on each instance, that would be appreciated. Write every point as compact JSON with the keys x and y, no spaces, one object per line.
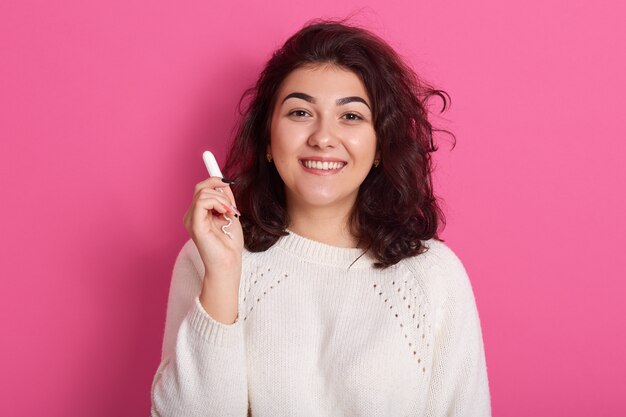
{"x":323,"y":81}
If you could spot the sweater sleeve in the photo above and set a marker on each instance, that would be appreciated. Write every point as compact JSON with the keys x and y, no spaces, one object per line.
{"x":459,"y":385}
{"x":202,"y":370}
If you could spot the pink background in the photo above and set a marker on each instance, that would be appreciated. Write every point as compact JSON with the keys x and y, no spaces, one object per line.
{"x":105,"y":109}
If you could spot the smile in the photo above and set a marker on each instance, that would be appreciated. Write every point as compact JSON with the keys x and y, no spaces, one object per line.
{"x":323,"y":166}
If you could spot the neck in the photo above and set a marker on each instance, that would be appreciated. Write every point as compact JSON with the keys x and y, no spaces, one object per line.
{"x":327,"y":225}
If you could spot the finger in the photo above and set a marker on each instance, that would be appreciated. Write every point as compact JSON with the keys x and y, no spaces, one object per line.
{"x":205,"y":190}
{"x":217,"y":184}
{"x":211,"y":182}
{"x":225,"y":189}
{"x":212,"y":217}
{"x":223,"y":198}
{"x":195,"y":214}
{"x":208,"y":215}
{"x":205,"y":206}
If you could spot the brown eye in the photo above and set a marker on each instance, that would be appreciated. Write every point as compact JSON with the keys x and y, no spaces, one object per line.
{"x":352,"y":116}
{"x":298,"y":113}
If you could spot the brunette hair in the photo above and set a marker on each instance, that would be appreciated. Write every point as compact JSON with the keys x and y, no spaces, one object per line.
{"x":395,"y":208}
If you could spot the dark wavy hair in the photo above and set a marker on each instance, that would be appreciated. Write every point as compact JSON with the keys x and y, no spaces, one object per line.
{"x":395,"y":208}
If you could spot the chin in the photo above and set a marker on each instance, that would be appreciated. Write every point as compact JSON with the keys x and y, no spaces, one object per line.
{"x":322,"y":200}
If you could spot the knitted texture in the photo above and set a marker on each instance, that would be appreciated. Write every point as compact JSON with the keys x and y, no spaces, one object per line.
{"x":321,"y":335}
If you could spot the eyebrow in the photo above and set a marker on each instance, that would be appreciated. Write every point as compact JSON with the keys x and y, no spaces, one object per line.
{"x":340,"y":102}
{"x":352,"y":99}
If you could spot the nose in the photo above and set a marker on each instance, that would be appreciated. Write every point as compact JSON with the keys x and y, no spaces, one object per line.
{"x":323,"y":135}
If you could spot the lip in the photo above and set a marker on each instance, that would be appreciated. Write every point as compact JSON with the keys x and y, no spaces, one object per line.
{"x":322,"y":159}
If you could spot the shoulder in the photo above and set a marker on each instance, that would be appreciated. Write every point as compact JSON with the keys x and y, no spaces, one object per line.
{"x":437,"y":256}
{"x":440,"y":273}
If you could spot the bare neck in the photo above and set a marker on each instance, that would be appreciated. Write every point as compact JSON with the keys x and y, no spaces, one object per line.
{"x":328,"y":225}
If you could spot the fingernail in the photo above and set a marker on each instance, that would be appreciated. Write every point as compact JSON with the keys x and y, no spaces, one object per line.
{"x":235,"y":210}
{"x":228,"y":180}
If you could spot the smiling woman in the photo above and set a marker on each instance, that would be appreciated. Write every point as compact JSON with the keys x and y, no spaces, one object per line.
{"x":333,"y":295}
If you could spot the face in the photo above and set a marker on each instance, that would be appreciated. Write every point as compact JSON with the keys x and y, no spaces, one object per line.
{"x":323,"y":140}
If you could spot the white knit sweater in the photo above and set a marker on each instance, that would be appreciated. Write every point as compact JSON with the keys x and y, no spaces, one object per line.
{"x":316,"y":338}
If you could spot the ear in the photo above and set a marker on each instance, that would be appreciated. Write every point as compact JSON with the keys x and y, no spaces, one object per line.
{"x":377,"y":156}
{"x":268,"y":149}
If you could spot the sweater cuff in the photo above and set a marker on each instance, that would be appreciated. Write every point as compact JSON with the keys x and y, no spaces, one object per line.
{"x":212,"y":331}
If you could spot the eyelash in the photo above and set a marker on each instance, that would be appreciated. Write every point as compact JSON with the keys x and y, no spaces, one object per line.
{"x":298,"y":113}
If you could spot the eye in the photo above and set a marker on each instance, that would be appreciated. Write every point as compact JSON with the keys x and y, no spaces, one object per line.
{"x":352,"y":116}
{"x":298,"y":113}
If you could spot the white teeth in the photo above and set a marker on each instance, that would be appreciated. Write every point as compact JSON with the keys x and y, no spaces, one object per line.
{"x":323,"y":165}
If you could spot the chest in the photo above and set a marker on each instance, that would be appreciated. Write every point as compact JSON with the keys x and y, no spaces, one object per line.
{"x":336,"y":346}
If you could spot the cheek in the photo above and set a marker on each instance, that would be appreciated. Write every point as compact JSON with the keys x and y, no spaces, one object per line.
{"x":285,"y":138}
{"x":363,"y":144}
{"x":282,"y":148}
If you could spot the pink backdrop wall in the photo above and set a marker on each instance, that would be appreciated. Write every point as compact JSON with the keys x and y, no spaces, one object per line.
{"x":105,"y":108}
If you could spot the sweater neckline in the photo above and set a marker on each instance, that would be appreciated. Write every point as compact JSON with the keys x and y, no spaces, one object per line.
{"x":322,"y":253}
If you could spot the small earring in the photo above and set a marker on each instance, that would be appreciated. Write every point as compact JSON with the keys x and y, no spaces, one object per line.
{"x":376,"y":163}
{"x":269,"y":157}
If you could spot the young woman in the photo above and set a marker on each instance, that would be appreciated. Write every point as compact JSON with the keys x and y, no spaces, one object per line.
{"x":331,"y":294}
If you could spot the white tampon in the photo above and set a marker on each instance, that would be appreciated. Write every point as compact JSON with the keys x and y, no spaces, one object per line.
{"x":214,"y":171}
{"x":211,"y":164}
